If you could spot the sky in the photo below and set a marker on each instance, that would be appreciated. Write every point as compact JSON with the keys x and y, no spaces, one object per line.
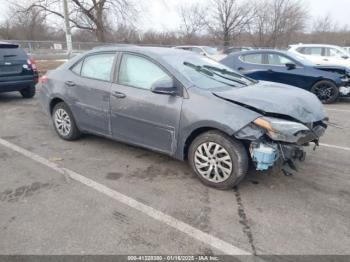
{"x":162,"y":14}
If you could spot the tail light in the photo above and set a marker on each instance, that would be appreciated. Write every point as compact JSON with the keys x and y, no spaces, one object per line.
{"x":32,"y":63}
{"x":43,"y":80}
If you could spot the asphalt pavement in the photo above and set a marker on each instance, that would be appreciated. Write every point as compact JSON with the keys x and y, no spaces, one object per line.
{"x":127,"y":200}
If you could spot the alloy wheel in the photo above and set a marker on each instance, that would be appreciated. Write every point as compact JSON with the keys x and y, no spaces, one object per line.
{"x":213,"y":162}
{"x":62,"y":122}
{"x":324,"y":92}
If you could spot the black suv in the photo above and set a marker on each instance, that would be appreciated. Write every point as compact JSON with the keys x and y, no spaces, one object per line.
{"x":18,"y":72}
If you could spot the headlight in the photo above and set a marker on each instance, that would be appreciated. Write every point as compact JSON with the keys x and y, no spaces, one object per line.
{"x":279,"y":129}
{"x":345,"y":78}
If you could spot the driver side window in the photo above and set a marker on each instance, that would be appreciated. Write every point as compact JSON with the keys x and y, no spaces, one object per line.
{"x":332,"y":52}
{"x":139,"y":72}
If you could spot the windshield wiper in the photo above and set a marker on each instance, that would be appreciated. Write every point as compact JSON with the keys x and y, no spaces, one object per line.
{"x":223,"y":71}
{"x":206,"y":72}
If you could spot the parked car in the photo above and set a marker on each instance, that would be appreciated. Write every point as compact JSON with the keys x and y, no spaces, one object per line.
{"x":323,"y":54}
{"x":231,"y":50}
{"x":18,"y":72}
{"x":184,"y":105}
{"x":207,"y":51}
{"x":327,"y":82}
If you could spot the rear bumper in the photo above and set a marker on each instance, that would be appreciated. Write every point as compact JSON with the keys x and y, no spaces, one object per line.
{"x":17,"y":85}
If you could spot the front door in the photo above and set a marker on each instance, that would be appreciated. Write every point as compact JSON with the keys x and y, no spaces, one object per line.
{"x":138,"y":115}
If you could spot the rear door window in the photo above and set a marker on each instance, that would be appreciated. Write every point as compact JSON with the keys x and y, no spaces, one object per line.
{"x":77,"y":67}
{"x":278,"y":60}
{"x":98,"y":66}
{"x":333,"y":52}
{"x":253,"y":58}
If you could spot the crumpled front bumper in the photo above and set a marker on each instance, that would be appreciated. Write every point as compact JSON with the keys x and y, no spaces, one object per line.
{"x":267,"y":152}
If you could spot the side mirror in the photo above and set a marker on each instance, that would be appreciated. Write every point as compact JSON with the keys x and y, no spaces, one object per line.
{"x":164,"y":87}
{"x":345,"y":57}
{"x":290,"y":66}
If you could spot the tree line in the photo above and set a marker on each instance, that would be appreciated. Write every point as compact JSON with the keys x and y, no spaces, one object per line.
{"x":256,"y":23}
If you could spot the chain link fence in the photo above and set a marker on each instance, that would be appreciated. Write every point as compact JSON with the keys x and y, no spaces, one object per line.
{"x":56,"y":50}
{"x":42,"y":50}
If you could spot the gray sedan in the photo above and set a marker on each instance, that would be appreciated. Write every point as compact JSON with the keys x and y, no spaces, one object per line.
{"x":186,"y":106}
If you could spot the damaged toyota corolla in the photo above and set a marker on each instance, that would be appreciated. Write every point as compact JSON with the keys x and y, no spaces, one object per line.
{"x":184,"y":105}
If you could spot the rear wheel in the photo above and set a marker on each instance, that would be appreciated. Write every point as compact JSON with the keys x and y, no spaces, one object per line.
{"x":218,"y":160}
{"x":64,"y":122}
{"x":326,"y":91}
{"x":28,"y":92}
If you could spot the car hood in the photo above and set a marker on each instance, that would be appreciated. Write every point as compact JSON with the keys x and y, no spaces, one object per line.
{"x":277,"y":99}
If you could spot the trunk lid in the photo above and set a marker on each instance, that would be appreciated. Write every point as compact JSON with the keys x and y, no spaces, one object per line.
{"x":13,"y":60}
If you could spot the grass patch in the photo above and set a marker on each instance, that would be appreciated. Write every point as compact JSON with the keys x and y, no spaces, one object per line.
{"x":45,"y":65}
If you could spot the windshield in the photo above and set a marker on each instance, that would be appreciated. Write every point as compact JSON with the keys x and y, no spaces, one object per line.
{"x":302,"y":60}
{"x":205,"y":73}
{"x":210,"y":50}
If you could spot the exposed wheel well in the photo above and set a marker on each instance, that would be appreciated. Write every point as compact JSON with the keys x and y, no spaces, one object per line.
{"x":193,"y":135}
{"x":54,"y":102}
{"x":323,"y":79}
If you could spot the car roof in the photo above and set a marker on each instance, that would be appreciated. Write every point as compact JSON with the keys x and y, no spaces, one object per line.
{"x":259,"y":51}
{"x":139,"y":49}
{"x":314,"y":45}
{"x":199,"y":46}
{"x":8,"y":45}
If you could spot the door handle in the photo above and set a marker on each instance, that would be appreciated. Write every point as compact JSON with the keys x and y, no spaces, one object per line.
{"x":69,"y":83}
{"x":119,"y":94}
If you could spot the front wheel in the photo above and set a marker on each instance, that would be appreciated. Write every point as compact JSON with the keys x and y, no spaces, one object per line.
{"x":326,"y":91}
{"x":218,"y":160}
{"x":64,"y":122}
{"x":28,"y":92}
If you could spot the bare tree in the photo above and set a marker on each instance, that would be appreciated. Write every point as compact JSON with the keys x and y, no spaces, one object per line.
{"x":193,"y":20}
{"x":324,"y":24}
{"x":277,"y":21}
{"x":29,"y":25}
{"x":91,"y":15}
{"x":229,"y":19}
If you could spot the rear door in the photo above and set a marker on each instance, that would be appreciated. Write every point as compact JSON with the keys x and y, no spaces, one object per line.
{"x":138,"y":115}
{"x":14,"y":64}
{"x":314,"y":54}
{"x":254,"y":66}
{"x":88,"y":87}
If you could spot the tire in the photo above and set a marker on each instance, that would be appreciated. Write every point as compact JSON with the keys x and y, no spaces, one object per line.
{"x":28,"y":92}
{"x":326,"y":91}
{"x":62,"y":117}
{"x":219,"y":175}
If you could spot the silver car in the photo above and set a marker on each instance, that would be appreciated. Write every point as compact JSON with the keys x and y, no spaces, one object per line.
{"x":186,"y":106}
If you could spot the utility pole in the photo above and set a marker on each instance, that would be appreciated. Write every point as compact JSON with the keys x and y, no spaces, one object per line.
{"x":68,"y":32}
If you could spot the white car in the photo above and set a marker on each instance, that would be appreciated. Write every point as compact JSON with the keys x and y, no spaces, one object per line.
{"x":207,"y":51}
{"x":322,"y":54}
